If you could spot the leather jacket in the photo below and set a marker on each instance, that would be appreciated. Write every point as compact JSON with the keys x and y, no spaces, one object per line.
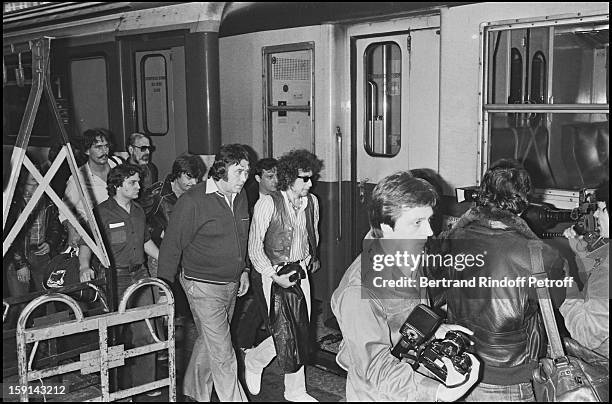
{"x":158,"y":202}
{"x":509,"y":335}
{"x":55,"y":234}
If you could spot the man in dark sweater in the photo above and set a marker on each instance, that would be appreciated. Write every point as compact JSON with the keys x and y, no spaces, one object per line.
{"x":207,"y":238}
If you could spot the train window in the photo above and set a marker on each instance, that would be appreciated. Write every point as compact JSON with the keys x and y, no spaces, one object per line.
{"x":289,"y":95}
{"x":154,"y":94}
{"x":383,"y":76}
{"x":537,"y":93}
{"x":546,"y":99}
{"x":516,"y":77}
{"x":580,"y":64}
{"x":89,"y":93}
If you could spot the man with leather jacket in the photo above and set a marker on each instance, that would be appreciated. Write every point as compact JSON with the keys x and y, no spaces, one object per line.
{"x":159,"y":199}
{"x":509,"y":335}
{"x":39,"y":240}
{"x":158,"y":202}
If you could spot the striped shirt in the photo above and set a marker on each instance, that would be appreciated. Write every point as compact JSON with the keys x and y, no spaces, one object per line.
{"x":262,"y":215}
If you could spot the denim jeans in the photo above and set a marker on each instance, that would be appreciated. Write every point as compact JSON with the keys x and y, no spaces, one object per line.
{"x":38,"y":269}
{"x":489,"y":392}
{"x":140,"y":369}
{"x":213,"y":360}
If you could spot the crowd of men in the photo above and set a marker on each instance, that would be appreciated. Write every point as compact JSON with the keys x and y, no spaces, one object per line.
{"x":214,"y":240}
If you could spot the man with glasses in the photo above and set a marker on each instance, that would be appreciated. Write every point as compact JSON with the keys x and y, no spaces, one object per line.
{"x":92,"y":174}
{"x":284,"y":230}
{"x":139,"y":148}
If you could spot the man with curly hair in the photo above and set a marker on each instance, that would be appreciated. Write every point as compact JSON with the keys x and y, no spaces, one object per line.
{"x":284,"y":230}
{"x":509,"y":334}
{"x":206,"y":241}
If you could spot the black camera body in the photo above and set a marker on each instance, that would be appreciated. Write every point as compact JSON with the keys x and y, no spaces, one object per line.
{"x":293,"y":266}
{"x":540,"y":216}
{"x":454,"y":347}
{"x":584,"y":217}
{"x":418,"y":347}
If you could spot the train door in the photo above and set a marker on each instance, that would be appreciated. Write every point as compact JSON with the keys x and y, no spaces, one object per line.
{"x":395,"y":111}
{"x":161,"y":103}
{"x":289,"y":97}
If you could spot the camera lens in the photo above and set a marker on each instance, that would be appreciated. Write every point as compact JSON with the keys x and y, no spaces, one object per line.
{"x":456,"y":341}
{"x":462,"y":363}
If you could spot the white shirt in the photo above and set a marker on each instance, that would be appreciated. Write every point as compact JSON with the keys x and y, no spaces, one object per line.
{"x":211,"y":188}
{"x":262,"y":215}
{"x":95,"y":191}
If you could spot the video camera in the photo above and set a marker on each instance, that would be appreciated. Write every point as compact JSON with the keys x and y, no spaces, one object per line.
{"x":541,"y":217}
{"x":418,"y":346}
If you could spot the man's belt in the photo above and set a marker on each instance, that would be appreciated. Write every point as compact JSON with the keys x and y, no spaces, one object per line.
{"x":282,"y":264}
{"x":130,"y":268}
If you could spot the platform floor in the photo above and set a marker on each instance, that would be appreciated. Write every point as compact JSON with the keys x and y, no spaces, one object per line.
{"x":325,"y":380}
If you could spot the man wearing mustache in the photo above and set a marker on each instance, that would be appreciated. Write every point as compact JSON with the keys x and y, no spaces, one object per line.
{"x":93,"y":174}
{"x":140,"y":148}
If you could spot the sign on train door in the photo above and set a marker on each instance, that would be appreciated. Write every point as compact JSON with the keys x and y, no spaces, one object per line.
{"x":395,"y":111}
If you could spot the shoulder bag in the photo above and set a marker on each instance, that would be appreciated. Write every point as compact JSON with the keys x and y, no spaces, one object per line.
{"x":575,"y":373}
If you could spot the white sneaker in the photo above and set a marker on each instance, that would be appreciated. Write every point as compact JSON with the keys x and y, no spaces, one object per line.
{"x":252,"y":379}
{"x":301,"y":397}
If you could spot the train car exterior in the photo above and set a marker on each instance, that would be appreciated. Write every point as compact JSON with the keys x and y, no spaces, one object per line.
{"x":372,"y":89}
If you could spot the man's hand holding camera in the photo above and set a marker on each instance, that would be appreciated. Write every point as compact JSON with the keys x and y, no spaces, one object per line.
{"x":456,"y":384}
{"x":283,"y":280}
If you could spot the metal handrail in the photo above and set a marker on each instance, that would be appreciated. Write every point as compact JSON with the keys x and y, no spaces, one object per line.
{"x":373,"y":109}
{"x":171,"y":329}
{"x":339,"y":141}
{"x":106,"y":357}
{"x":140,"y":284}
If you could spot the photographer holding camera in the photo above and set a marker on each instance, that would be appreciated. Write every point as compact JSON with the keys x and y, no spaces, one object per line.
{"x":370,"y":318}
{"x":587,"y":312}
{"x":509,"y":334}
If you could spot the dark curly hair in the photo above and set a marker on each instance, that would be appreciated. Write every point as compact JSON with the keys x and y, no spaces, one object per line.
{"x":506,"y":186}
{"x":92,"y":136}
{"x":118,"y":174}
{"x":229,"y":155}
{"x":264,"y":164}
{"x":290,"y":163}
{"x":189,"y":164}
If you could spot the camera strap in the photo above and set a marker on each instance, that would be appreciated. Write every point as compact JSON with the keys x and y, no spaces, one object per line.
{"x":546,"y":308}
